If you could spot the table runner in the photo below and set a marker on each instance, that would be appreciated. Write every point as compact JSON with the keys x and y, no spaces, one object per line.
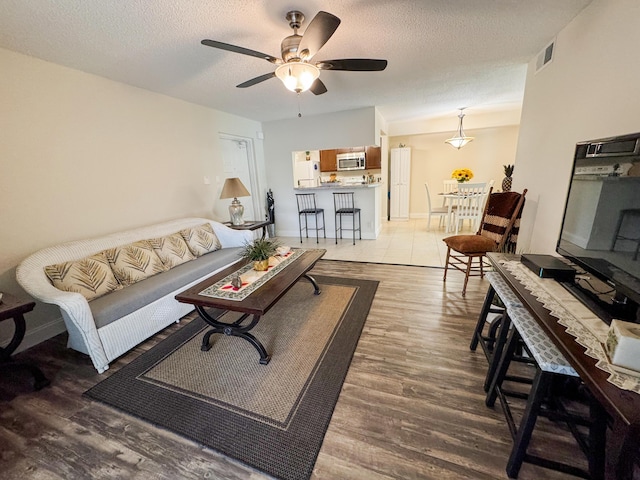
{"x":251,"y":279}
{"x":580,"y":322}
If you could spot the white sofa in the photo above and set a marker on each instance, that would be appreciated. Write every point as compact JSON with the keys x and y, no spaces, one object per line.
{"x":143,"y":315}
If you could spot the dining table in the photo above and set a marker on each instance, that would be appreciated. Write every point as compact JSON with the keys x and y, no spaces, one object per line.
{"x":451,"y":200}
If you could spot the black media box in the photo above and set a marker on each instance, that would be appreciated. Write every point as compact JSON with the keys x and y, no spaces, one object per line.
{"x":548,"y":266}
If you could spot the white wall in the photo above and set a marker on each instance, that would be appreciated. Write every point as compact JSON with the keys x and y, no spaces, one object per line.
{"x":82,"y":156}
{"x":590,"y":90}
{"x":433,"y":161}
{"x":335,"y":130}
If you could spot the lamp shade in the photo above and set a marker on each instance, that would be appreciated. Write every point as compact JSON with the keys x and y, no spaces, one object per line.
{"x":234,"y":188}
{"x":297,"y":76}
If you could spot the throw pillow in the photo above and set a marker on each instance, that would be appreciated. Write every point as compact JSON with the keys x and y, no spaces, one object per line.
{"x":134,"y":262}
{"x":201,"y":239}
{"x":172,"y":250}
{"x":92,"y":276}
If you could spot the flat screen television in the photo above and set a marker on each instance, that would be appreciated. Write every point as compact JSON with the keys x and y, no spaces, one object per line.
{"x":601,"y":226}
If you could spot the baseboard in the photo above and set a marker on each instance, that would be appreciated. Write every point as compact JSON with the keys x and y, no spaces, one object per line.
{"x":312,"y":234}
{"x":37,"y":335}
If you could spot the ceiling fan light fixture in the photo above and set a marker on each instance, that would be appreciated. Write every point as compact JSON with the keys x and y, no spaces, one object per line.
{"x":297,"y":76}
{"x":459,"y":140}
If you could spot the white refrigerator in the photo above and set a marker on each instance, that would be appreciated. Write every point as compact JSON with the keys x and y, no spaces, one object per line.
{"x":306,"y":173}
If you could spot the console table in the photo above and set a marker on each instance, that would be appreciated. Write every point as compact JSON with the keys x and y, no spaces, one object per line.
{"x":622,"y":407}
{"x":13,"y":309}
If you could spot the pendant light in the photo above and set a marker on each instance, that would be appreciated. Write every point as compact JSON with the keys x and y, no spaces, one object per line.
{"x":459,"y":140}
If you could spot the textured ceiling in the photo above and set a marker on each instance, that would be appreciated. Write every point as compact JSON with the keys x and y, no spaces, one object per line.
{"x":443,"y":54}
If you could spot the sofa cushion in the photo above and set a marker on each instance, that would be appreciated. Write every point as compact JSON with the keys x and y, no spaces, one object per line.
{"x":172,"y":250}
{"x":92,"y":276}
{"x":116,"y":305}
{"x":201,"y":239}
{"x":134,"y":262}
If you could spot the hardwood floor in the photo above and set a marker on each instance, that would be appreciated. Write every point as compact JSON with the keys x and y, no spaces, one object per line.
{"x":412,"y":405}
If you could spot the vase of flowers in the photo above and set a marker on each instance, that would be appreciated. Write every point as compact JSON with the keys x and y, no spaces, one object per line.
{"x":259,"y":252}
{"x":462,"y":175}
{"x":507,"y":181}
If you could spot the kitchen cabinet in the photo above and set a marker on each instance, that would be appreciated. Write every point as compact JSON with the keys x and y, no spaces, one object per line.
{"x":373,"y":160}
{"x":328,"y":161}
{"x":350,"y":150}
{"x":399,"y":183}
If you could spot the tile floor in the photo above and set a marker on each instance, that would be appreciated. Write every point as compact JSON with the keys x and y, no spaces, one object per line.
{"x":400,"y":242}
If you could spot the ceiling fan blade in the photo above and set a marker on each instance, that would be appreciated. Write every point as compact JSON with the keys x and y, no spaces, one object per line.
{"x":243,"y":51}
{"x":259,"y":79}
{"x":353,"y":64}
{"x":317,"y":87}
{"x":317,"y":33}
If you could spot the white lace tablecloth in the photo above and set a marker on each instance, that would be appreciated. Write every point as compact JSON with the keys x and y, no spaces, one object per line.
{"x":580,"y":322}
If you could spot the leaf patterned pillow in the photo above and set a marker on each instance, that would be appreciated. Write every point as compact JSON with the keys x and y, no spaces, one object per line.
{"x":201,"y":239}
{"x":134,"y":262}
{"x":172,"y":249}
{"x":92,"y":276}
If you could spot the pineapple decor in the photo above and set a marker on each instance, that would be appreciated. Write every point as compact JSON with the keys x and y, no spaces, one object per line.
{"x":507,"y":180}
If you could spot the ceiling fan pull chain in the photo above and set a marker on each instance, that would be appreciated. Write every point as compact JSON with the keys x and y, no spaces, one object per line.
{"x":299,"y":114}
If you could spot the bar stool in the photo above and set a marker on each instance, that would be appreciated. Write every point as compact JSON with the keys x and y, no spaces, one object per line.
{"x":344,"y":204}
{"x":494,"y":339}
{"x":306,"y":208}
{"x":549,"y":365}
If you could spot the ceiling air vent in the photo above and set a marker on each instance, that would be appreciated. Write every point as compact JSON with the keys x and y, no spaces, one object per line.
{"x":545,"y":56}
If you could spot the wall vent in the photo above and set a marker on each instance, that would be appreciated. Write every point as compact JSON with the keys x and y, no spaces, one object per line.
{"x":545,"y":57}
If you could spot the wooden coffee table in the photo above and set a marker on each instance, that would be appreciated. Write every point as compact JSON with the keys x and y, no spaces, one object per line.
{"x":257,"y":303}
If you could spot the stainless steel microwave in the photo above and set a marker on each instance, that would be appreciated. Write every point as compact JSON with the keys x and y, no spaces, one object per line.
{"x":351,"y":161}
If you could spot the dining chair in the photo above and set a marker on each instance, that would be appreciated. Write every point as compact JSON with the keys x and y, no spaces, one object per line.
{"x":307,"y":208}
{"x":498,"y":232}
{"x":441,"y":212}
{"x":470,"y":204}
{"x":448,"y":186}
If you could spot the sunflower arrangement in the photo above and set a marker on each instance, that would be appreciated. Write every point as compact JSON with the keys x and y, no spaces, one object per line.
{"x":462,"y":175}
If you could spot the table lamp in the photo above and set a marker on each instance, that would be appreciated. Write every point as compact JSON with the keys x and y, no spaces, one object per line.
{"x":233,"y":188}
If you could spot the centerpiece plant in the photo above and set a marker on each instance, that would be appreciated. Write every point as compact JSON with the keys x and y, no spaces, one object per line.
{"x":259,"y":252}
{"x":462,"y":175}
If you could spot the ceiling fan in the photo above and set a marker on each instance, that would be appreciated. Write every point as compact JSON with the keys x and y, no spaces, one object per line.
{"x":295,"y":68}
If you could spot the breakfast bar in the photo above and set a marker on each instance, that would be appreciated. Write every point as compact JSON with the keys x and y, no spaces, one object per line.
{"x":367,"y":197}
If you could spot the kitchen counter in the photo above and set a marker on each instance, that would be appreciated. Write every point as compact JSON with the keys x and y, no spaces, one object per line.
{"x":341,"y":186}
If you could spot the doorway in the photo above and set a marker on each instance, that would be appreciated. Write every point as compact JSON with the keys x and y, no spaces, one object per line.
{"x":238,"y":160}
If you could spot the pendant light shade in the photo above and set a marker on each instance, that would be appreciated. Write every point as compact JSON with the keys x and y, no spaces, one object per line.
{"x":459,"y":140}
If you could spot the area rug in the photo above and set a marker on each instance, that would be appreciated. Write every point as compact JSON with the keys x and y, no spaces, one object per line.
{"x":271,"y":417}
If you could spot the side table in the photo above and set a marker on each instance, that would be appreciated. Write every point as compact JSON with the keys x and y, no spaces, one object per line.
{"x":13,"y":308}
{"x":251,"y":225}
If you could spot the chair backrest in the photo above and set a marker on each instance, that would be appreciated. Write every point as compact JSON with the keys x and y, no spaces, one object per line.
{"x":449,"y":186}
{"x":343,"y":201}
{"x":471,"y":200}
{"x":426,"y":186}
{"x":306,"y":202}
{"x":501,"y":219}
{"x":489,"y":185}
